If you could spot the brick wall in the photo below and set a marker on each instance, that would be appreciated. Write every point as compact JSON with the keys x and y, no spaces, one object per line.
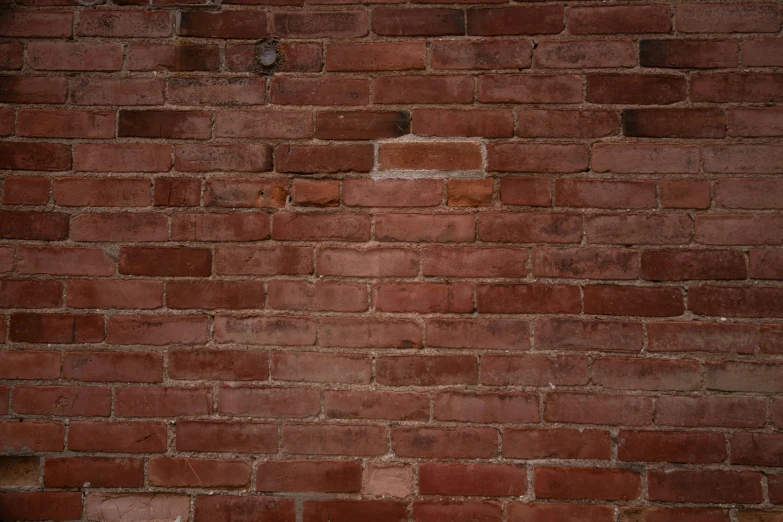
{"x":488,"y":261}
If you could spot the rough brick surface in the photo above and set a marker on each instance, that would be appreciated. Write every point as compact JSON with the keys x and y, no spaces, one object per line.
{"x":470,"y":260}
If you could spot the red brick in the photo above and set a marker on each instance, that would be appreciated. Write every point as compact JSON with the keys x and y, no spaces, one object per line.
{"x":447,"y":510}
{"x":216,"y":91}
{"x":319,"y":24}
{"x":92,"y":192}
{"x":586,"y":483}
{"x":299,"y":56}
{"x":728,"y":18}
{"x":590,"y":263}
{"x":661,"y":514}
{"x":41,"y":505}
{"x":6,"y":258}
{"x":354,"y":510}
{"x":199,"y":473}
{"x":559,"y":443}
{"x":125,"y":24}
{"x":685,"y":194}
{"x":638,"y":89}
{"x":588,"y":335}
{"x":516,"y":20}
{"x":7,"y":117}
{"x":99,"y":472}
{"x":736,"y":301}
{"x":527,"y":298}
{"x":277,"y":260}
{"x":486,"y":408}
{"x":487,"y":334}
{"x":734,"y":229}
{"x":582,"y":408}
{"x":423,"y":89}
{"x":674,"y":123}
{"x":310,"y":193}
{"x":530,"y":88}
{"x":243,"y":24}
{"x":629,"y":229}
{"x":229,"y":365}
{"x":762,"y":52}
{"x":766,"y":264}
{"x":743,"y":376}
{"x":264,"y":330}
{"x":376,"y":333}
{"x":680,"y":265}
{"x":28,"y":435}
{"x":205,"y":226}
{"x":575,"y":54}
{"x":748,"y":193}
{"x":650,"y":374}
{"x":34,"y":156}
{"x":178,"y":57}
{"x":704,"y":486}
{"x":321,"y":367}
{"x":228,"y":508}
{"x":165,"y":124}
{"x":478,"y":54}
{"x":513,"y":157}
{"x":321,"y":476}
{"x":113,"y":366}
{"x":552,"y":512}
{"x":333,"y":439}
{"x":431,"y":370}
{"x":65,"y":124}
{"x":770,"y":338}
{"x":630,"y":19}
{"x":440,"y":443}
{"x":119,"y":227}
{"x":775,"y":485}
{"x":567,"y":123}
{"x":441,"y":228}
{"x":742,"y":158}
{"x":471,"y":123}
{"x":32,"y":89}
{"x":25,"y":190}
{"x":397,"y":192}
{"x":231,"y":157}
{"x":535,"y":192}
{"x":30,"y":293}
{"x":11,"y":55}
{"x":737,"y":87}
{"x":755,"y":121}
{"x":166,"y":262}
{"x":633,"y":300}
{"x":324,"y":158}
{"x":533,"y":370}
{"x":688,"y":54}
{"x":56,"y":328}
{"x":423,"y":297}
{"x":79,"y":401}
{"x":116,"y":91}
{"x":470,"y":192}
{"x":530,"y":227}
{"x":222,"y":436}
{"x":106,"y":507}
{"x":381,"y":404}
{"x":74,"y":56}
{"x":429,"y":21}
{"x":246,"y":193}
{"x":671,"y":446}
{"x":125,"y":157}
{"x":29,"y":364}
{"x":363,"y":125}
{"x":701,"y":337}
{"x":710,"y":411}
{"x":375,"y":56}
{"x":117,"y":437}
{"x":16,"y":23}
{"x":590,"y":193}
{"x":157,"y":330}
{"x":318,"y":296}
{"x":756,"y":449}
{"x":368,"y":262}
{"x":162,"y":402}
{"x":292,"y":90}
